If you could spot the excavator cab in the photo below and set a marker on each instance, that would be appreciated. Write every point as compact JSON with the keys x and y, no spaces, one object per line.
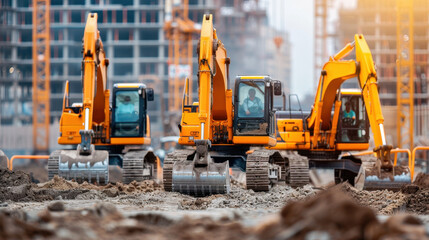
{"x":253,"y":99}
{"x":129,"y":110}
{"x":353,"y":124}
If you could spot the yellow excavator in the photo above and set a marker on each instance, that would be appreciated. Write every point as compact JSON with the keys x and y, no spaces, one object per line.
{"x":339,"y":121}
{"x":223,"y":127}
{"x":103,"y":134}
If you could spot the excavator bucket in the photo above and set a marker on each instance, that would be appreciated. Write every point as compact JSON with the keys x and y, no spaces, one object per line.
{"x":200,"y":181}
{"x":393,"y":179}
{"x":71,"y":165}
{"x":383,"y":174}
{"x":194,"y":172}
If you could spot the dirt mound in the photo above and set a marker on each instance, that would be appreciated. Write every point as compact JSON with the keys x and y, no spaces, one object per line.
{"x":422,"y":180}
{"x":13,"y":178}
{"x":419,"y":202}
{"x":134,"y":187}
{"x":59,"y":184}
{"x":333,"y":214}
{"x":418,"y":194}
{"x":383,"y":201}
{"x":17,"y":186}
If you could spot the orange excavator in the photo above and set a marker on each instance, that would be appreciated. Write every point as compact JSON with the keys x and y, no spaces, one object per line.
{"x":104,"y":134}
{"x":223,"y":127}
{"x":339,"y":121}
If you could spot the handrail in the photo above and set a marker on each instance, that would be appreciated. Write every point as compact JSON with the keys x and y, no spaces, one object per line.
{"x":400,"y":150}
{"x":10,"y":163}
{"x":410,"y":161}
{"x":415,"y":150}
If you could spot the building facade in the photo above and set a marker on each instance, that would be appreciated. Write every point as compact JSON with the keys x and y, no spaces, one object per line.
{"x":133,"y":37}
{"x":134,"y":40}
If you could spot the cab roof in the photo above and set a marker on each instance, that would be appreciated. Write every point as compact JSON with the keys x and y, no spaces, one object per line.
{"x":130,"y":85}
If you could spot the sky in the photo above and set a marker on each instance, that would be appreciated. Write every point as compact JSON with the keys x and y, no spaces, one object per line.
{"x":296,"y":17}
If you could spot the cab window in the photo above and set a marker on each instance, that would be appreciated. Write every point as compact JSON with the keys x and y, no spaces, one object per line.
{"x":127,"y":113}
{"x":251,"y":97}
{"x":353,"y":119}
{"x":127,"y":106}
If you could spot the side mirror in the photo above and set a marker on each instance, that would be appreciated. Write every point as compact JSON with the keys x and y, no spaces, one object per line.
{"x":277,"y":88}
{"x":149,"y":94}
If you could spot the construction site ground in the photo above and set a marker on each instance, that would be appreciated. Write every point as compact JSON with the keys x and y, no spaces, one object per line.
{"x":60,"y":209}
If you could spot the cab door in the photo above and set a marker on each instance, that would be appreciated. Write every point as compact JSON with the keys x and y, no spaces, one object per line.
{"x":353,"y":121}
{"x":129,"y":112}
{"x":253,"y":104}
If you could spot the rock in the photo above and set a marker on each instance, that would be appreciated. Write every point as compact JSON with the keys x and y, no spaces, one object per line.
{"x":109,"y":210}
{"x":111,"y":192}
{"x":56,"y":206}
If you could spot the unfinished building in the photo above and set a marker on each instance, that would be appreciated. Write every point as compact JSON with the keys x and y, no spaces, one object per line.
{"x":135,"y":42}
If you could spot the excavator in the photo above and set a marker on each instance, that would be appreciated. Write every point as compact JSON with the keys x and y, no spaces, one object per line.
{"x":104,"y":134}
{"x":223,"y":127}
{"x":339,"y":122}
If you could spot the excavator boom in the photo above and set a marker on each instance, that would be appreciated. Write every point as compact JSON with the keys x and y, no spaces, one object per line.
{"x":383,"y":175}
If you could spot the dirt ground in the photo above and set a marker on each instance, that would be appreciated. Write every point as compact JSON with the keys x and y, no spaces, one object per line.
{"x":60,"y":209}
